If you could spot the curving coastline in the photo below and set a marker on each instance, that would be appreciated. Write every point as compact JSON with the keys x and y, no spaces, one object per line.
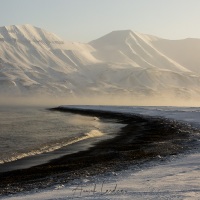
{"x":141,"y":139}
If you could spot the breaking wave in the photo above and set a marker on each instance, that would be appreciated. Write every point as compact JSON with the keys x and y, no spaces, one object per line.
{"x":94,"y":133}
{"x":53,"y":146}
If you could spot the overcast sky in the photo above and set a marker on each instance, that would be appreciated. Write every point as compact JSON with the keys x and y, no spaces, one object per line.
{"x":85,"y":20}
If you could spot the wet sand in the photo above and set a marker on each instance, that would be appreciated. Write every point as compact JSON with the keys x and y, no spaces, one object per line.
{"x":140,"y":140}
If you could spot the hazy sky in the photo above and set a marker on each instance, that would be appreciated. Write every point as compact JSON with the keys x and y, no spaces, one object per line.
{"x":85,"y":20}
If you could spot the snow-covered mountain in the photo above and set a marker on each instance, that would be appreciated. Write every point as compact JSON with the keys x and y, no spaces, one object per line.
{"x":35,"y":61}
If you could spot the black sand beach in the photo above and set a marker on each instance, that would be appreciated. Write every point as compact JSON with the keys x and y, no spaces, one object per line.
{"x":141,"y":139}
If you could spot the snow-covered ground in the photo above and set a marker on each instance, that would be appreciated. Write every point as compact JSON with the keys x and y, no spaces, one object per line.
{"x":175,"y":179}
{"x":178,"y":177}
{"x":190,"y":115}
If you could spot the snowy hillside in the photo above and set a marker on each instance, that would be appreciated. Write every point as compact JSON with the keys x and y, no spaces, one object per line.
{"x":185,"y":52}
{"x":135,"y":49}
{"x":34,"y":61}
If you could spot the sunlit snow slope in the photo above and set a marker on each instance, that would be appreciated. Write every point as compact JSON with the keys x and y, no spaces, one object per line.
{"x":34,"y":61}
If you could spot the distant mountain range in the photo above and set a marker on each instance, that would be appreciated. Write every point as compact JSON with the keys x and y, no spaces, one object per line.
{"x":36,"y":62}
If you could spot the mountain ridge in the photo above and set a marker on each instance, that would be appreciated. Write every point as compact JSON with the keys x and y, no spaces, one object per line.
{"x":35,"y":61}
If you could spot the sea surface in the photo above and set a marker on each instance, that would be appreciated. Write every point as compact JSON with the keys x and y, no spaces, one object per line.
{"x":34,"y":135}
{"x":31,"y":136}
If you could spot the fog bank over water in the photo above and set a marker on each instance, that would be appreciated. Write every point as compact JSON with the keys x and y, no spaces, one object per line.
{"x":120,"y":100}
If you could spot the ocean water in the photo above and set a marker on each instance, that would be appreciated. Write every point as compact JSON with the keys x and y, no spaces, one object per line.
{"x":35,"y":135}
{"x":42,"y":135}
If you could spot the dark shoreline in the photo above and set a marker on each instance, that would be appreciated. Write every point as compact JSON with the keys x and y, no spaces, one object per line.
{"x":141,"y":139}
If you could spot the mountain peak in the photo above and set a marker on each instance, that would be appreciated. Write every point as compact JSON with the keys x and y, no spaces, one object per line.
{"x":15,"y":27}
{"x":21,"y":25}
{"x":114,"y":37}
{"x":27,"y":32}
{"x":123,"y":32}
{"x":119,"y":37}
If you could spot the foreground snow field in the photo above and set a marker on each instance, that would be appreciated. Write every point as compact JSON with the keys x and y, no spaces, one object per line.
{"x":178,"y":178}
